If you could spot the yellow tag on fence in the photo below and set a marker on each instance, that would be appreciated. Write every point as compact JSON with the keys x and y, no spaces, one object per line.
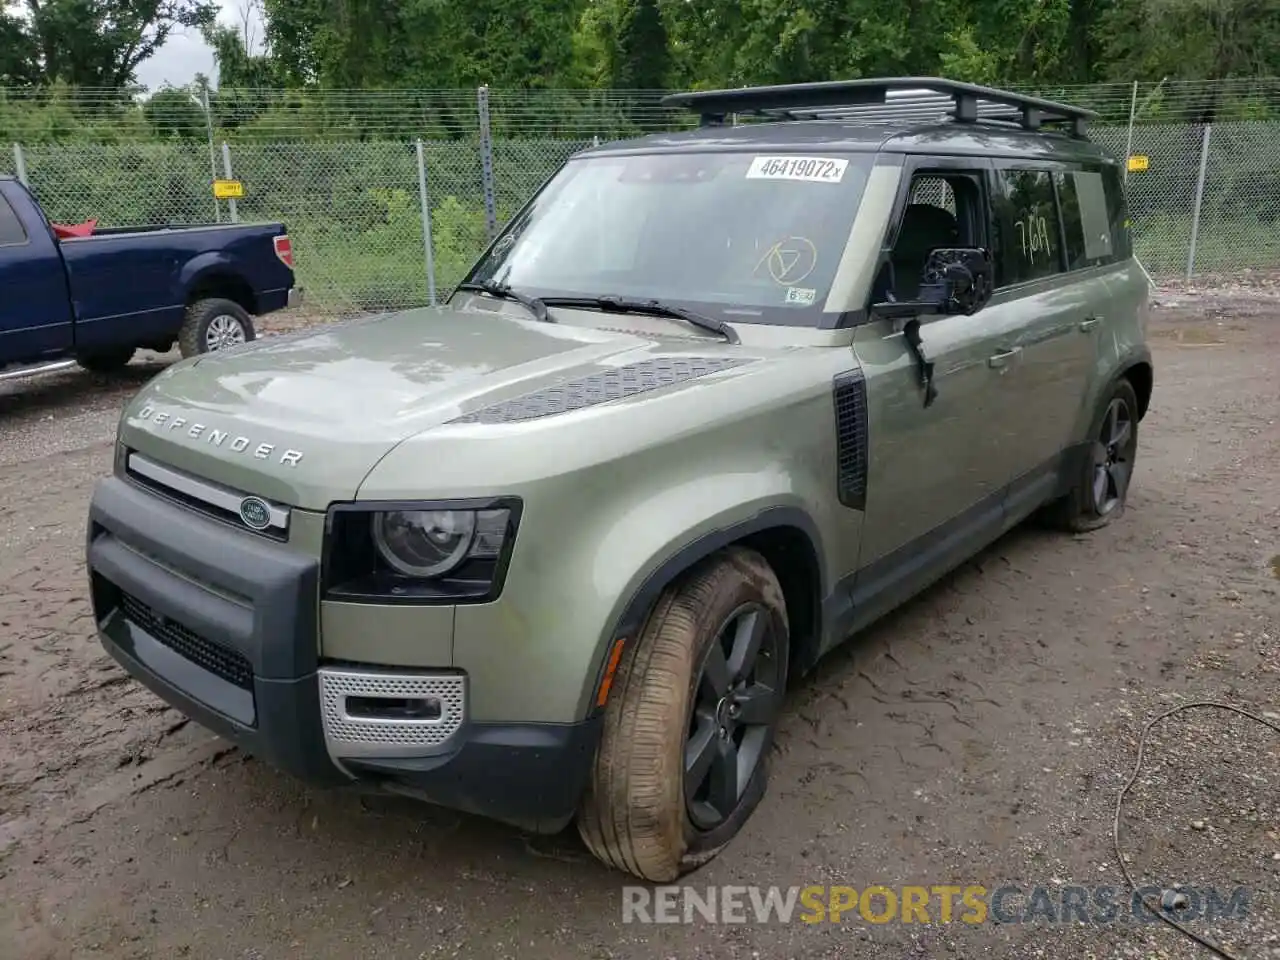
{"x":1138,"y":163}
{"x":228,"y":189}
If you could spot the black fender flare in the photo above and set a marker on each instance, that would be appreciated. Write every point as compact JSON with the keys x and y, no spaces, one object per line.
{"x":1135,"y":356}
{"x":631,"y":620}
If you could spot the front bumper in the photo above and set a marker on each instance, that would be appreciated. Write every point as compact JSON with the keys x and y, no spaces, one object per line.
{"x":222,"y":624}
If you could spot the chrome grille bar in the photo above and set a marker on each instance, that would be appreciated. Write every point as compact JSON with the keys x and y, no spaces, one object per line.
{"x":220,"y":500}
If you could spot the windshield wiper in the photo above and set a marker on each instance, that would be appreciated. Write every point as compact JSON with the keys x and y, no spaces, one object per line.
{"x":503,"y":291}
{"x":653,"y":308}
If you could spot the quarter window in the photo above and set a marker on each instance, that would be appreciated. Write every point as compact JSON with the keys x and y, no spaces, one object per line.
{"x":11,"y":231}
{"x":1117,"y":212}
{"x":1030,"y":239}
{"x":934,"y":191}
{"x":1084,"y":219}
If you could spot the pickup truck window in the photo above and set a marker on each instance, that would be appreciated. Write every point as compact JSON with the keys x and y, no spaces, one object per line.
{"x":11,"y":231}
{"x":740,"y":236}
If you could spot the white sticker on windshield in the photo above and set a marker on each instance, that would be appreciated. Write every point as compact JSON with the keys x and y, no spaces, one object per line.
{"x":810,"y":169}
{"x":804,"y":296}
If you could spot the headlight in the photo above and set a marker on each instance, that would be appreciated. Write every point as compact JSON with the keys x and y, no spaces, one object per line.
{"x":454,"y":552}
{"x":430,"y":543}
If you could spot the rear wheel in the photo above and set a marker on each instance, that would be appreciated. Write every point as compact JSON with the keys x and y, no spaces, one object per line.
{"x":106,"y":361}
{"x":1101,"y":489}
{"x":683,"y":757}
{"x":214,"y":324}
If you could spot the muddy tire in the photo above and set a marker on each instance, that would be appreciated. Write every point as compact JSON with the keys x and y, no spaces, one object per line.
{"x":1102,"y":489}
{"x":214,"y":324}
{"x":683,"y":756}
{"x":106,"y":361}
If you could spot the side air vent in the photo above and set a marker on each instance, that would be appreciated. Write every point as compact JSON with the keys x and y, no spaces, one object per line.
{"x":850,"y":391}
{"x":603,"y":387}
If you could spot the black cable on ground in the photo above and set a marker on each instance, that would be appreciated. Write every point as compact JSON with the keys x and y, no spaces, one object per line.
{"x":1137,"y":769}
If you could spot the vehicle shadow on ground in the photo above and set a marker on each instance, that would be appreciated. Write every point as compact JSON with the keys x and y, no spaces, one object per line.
{"x":74,"y":389}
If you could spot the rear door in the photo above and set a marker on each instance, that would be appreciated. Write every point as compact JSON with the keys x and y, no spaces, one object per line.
{"x":125,"y":286}
{"x":35,"y":309}
{"x":1053,"y":287}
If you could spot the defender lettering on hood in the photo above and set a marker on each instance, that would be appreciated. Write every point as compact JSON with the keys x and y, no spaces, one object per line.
{"x":165,"y":421}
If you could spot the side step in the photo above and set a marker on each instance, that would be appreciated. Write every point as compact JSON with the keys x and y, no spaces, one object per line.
{"x":35,"y":370}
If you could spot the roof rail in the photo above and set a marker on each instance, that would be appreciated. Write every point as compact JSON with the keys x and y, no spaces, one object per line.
{"x":883,"y":100}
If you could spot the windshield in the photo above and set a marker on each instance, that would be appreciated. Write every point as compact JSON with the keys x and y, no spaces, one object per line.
{"x":735,"y":235}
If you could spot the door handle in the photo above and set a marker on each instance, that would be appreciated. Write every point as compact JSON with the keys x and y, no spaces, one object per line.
{"x":998,"y":360}
{"x":1088,"y":323}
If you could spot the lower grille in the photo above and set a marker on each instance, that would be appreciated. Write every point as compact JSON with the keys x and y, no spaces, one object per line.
{"x":230,"y":665}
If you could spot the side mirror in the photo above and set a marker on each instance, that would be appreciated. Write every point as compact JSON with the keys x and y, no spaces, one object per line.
{"x":954,"y":280}
{"x":960,"y":278}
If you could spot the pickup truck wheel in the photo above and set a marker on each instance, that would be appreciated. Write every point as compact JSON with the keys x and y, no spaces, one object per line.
{"x":212,"y":325}
{"x":106,"y":361}
{"x":683,"y":756}
{"x":1102,"y":488}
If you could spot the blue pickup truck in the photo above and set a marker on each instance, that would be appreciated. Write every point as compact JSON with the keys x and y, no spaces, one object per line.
{"x":95,"y":300}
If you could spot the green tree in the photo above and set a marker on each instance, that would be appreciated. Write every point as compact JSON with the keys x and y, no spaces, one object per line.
{"x":101,"y":43}
{"x":1191,"y":39}
{"x":733,"y":42}
{"x":240,"y":65}
{"x":18,"y":54}
{"x":638,"y":56}
{"x":237,"y":67}
{"x":291,"y":27}
{"x":424,"y":44}
{"x":172,"y":112}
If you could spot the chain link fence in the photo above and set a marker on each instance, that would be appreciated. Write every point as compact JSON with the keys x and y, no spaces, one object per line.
{"x":382,"y":222}
{"x":1208,"y":204}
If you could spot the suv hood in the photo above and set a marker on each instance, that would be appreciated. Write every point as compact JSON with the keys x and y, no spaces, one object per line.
{"x":303,"y":418}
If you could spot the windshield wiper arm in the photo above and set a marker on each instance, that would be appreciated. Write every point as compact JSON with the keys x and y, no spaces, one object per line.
{"x":654,"y":308}
{"x":503,"y":291}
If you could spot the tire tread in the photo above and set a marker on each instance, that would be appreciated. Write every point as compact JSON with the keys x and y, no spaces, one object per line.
{"x":194,"y":324}
{"x":633,"y":817}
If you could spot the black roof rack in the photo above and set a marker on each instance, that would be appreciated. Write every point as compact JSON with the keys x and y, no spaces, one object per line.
{"x":883,"y":100}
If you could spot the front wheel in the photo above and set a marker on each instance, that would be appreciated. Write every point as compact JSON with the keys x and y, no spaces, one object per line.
{"x":683,"y":756}
{"x":1101,"y":489}
{"x":214,"y":324}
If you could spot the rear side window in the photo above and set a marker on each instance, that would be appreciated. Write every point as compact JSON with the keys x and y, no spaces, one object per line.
{"x":1028,"y":220}
{"x":1117,"y":212}
{"x":11,"y":231}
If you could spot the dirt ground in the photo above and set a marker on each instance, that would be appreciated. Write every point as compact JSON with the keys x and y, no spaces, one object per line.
{"x":980,"y":735}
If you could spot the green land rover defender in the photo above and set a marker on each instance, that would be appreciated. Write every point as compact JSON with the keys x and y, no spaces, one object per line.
{"x":709,"y":404}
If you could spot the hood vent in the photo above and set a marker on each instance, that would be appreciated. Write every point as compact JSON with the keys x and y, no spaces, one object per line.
{"x":603,"y":387}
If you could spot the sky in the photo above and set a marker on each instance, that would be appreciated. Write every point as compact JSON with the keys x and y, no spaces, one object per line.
{"x":185,"y":54}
